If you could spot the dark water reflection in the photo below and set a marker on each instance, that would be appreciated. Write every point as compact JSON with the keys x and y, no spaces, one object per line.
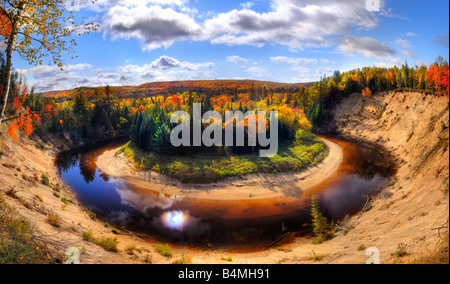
{"x":245,"y":223}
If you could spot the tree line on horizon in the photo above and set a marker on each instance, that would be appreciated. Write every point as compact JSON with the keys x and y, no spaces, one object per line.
{"x":100,"y":114}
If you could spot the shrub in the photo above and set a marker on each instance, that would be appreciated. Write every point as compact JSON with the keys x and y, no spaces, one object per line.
{"x":54,"y":219}
{"x":401,"y":251}
{"x":108,"y":244}
{"x":130,"y":249}
{"x":45,"y":180}
{"x":303,"y":137}
{"x":185,"y":259}
{"x":8,"y":165}
{"x":88,"y":236}
{"x":316,"y":257}
{"x":66,"y":201}
{"x":164,"y":250}
{"x":57,"y":188}
{"x":229,"y":259}
{"x":147,"y":259}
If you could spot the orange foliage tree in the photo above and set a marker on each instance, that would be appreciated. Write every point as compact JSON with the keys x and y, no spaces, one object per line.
{"x":22,"y":119}
{"x":367,"y":92}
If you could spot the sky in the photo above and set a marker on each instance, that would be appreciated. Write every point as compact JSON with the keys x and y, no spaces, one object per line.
{"x":292,"y":41}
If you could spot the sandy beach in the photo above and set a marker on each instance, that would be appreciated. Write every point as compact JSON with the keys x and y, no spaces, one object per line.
{"x":256,"y":186}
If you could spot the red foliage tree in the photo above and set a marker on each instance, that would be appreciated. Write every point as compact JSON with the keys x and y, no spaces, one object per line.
{"x":444,"y":79}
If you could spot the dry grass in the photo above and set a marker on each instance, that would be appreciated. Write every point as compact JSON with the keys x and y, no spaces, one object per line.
{"x":108,"y":243}
{"x":54,"y":219}
{"x":17,"y":243}
{"x":440,"y":255}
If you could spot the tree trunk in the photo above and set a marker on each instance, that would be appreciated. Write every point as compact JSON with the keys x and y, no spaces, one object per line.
{"x":9,"y":52}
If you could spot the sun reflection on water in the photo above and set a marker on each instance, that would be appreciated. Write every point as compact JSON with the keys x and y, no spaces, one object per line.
{"x":176,"y":220}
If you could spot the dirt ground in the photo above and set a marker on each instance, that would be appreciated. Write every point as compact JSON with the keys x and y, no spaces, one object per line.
{"x":411,"y":126}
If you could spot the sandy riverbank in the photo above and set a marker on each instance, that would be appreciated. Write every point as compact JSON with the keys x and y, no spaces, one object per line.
{"x":255,"y":186}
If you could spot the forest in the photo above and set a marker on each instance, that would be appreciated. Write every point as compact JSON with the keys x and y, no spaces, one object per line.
{"x":100,"y":113}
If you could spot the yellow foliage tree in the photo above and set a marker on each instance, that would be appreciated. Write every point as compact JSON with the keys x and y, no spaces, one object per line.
{"x":37,"y":29}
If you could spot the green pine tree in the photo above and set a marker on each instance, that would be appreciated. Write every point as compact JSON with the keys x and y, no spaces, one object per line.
{"x":320,"y":225}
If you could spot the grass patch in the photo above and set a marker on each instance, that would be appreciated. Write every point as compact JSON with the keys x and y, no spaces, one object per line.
{"x":164,"y":250}
{"x":410,"y":136}
{"x":401,"y":251}
{"x":54,"y":219}
{"x":45,"y":180}
{"x":439,"y":256}
{"x":9,"y":165}
{"x":67,"y":201}
{"x":147,"y":259}
{"x":185,"y":259}
{"x":381,"y":111}
{"x":130,"y":249}
{"x":212,"y":167}
{"x":57,"y":188}
{"x":316,"y":257}
{"x":17,"y":244}
{"x":107,"y":243}
{"x":88,"y":236}
{"x":362,"y":248}
{"x":229,"y":259}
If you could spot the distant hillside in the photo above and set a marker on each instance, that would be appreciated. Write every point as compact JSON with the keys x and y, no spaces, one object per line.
{"x":204,"y":87}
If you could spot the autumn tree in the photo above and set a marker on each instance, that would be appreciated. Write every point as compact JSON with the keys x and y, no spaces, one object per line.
{"x":367,"y":92}
{"x":37,"y":30}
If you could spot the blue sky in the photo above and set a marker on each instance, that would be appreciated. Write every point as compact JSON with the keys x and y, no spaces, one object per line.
{"x":143,"y":41}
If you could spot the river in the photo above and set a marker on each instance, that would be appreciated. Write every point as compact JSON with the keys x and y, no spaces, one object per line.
{"x":239,"y":224}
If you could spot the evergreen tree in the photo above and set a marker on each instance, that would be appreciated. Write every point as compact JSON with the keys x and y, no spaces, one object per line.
{"x":320,"y":225}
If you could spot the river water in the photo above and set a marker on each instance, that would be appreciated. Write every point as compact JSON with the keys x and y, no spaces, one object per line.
{"x":239,"y":224}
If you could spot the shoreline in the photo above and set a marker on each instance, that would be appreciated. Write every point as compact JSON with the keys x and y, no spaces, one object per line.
{"x":254,"y":186}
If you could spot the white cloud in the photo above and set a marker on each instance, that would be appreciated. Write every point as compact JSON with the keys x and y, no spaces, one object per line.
{"x":302,"y":70}
{"x":256,"y":71}
{"x":409,"y":53}
{"x":165,"y":68}
{"x":293,"y":61}
{"x":383,"y":65}
{"x":369,"y":47}
{"x":411,"y":34}
{"x":236,"y":59}
{"x":403,"y":43}
{"x":44,"y":71}
{"x":153,"y":26}
{"x":294,"y":23}
{"x":247,"y":5}
{"x":327,"y":61}
{"x":166,"y":62}
{"x":441,"y":40}
{"x":102,"y":5}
